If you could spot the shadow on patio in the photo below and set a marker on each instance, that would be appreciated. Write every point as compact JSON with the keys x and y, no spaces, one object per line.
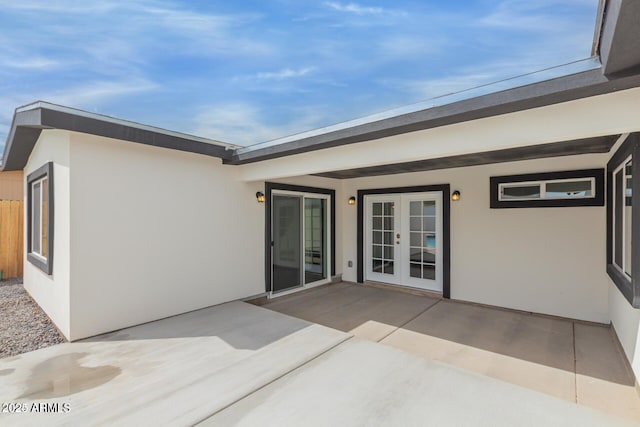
{"x":575,"y":361}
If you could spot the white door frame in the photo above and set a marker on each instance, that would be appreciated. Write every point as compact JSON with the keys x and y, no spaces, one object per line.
{"x":401,"y":239}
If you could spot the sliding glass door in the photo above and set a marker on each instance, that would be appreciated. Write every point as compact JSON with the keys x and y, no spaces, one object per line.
{"x":315,"y":240}
{"x":287,"y":238}
{"x":300,"y":240}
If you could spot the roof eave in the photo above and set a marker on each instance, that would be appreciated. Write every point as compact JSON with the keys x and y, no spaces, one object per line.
{"x":27,"y":125}
{"x":563,"y":89}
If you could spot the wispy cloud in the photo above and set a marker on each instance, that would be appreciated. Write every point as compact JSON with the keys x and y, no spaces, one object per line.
{"x":404,"y":46}
{"x":245,"y":124}
{"x":274,"y":67}
{"x":285,"y":73}
{"x":38,"y":63}
{"x":94,"y":93}
{"x":354,"y":8}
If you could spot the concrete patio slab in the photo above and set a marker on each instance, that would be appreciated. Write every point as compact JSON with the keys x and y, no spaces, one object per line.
{"x":531,"y":351}
{"x":367,"y":312}
{"x":176,"y":371}
{"x":603,"y":378}
{"x":363,"y":383}
{"x":525,"y":349}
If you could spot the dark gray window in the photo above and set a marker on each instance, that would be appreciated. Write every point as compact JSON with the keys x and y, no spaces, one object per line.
{"x":549,"y":189}
{"x":40,"y":218}
{"x":623,"y":232}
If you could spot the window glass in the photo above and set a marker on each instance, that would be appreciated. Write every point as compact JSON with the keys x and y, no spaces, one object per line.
{"x":36,"y":218}
{"x":617,"y":217}
{"x":521,"y":192}
{"x":44,"y":215}
{"x":627,"y":217}
{"x":567,"y":189}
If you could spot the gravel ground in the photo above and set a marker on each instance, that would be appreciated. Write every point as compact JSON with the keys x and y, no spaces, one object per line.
{"x":23,"y":325}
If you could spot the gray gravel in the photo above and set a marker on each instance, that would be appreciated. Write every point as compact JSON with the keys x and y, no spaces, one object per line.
{"x":23,"y":325}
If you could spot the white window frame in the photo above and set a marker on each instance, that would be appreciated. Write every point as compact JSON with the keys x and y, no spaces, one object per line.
{"x":622,"y":268}
{"x":41,"y":176}
{"x":543,"y":189}
{"x":33,"y":219}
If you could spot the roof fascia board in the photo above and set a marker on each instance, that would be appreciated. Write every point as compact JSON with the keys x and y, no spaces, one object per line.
{"x":27,"y":125}
{"x":600,"y":144}
{"x":62,"y":120}
{"x":562,"y":89}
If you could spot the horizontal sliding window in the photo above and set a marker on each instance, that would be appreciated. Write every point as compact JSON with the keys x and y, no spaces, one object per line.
{"x":550,"y":189}
{"x":565,"y":189}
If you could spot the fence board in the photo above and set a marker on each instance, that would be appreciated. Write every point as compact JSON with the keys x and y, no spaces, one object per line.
{"x":11,"y":238}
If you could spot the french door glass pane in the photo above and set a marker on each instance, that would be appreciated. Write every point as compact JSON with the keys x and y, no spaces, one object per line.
{"x":315,"y":233}
{"x":286,"y":242}
{"x":382,"y":237}
{"x":422,"y":239}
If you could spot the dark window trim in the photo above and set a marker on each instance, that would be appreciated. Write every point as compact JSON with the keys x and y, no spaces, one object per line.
{"x":629,"y":287}
{"x":446,"y":227}
{"x":269,"y":187}
{"x":41,"y":172}
{"x":598,"y":200}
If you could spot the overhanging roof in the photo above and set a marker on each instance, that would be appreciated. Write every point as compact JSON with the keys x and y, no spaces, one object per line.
{"x":600,"y":144}
{"x":562,"y":89}
{"x":29,"y":121}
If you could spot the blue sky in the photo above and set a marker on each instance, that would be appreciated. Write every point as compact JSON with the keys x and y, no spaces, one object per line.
{"x":249,"y":71}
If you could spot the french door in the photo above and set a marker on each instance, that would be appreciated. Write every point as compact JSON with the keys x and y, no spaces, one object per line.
{"x":403,"y":239}
{"x":300,"y":240}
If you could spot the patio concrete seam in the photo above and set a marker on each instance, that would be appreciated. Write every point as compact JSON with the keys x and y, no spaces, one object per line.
{"x":274,"y":380}
{"x":409,"y":321}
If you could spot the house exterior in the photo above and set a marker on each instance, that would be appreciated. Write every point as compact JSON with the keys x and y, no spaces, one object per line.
{"x":519,"y":197}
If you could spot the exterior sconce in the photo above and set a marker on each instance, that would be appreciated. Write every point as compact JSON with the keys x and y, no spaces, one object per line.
{"x":352,"y":200}
{"x":260,"y":197}
{"x":455,"y":196}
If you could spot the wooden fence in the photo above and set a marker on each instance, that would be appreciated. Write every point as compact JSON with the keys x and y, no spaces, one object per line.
{"x":11,"y":238}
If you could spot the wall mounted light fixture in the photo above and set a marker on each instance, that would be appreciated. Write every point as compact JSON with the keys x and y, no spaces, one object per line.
{"x":455,"y":196}
{"x":352,"y":200}
{"x":260,"y":197}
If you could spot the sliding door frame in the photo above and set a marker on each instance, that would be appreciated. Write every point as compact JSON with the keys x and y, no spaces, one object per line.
{"x":270,"y":187}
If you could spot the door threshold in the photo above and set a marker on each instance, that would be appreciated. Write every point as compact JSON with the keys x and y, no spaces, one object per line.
{"x":309,"y":287}
{"x":405,"y":289}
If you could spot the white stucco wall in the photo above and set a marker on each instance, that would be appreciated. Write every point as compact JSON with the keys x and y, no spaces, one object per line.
{"x":626,"y":321}
{"x":544,"y":260}
{"x":624,"y":318}
{"x":52,"y":292}
{"x":157,"y":232}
